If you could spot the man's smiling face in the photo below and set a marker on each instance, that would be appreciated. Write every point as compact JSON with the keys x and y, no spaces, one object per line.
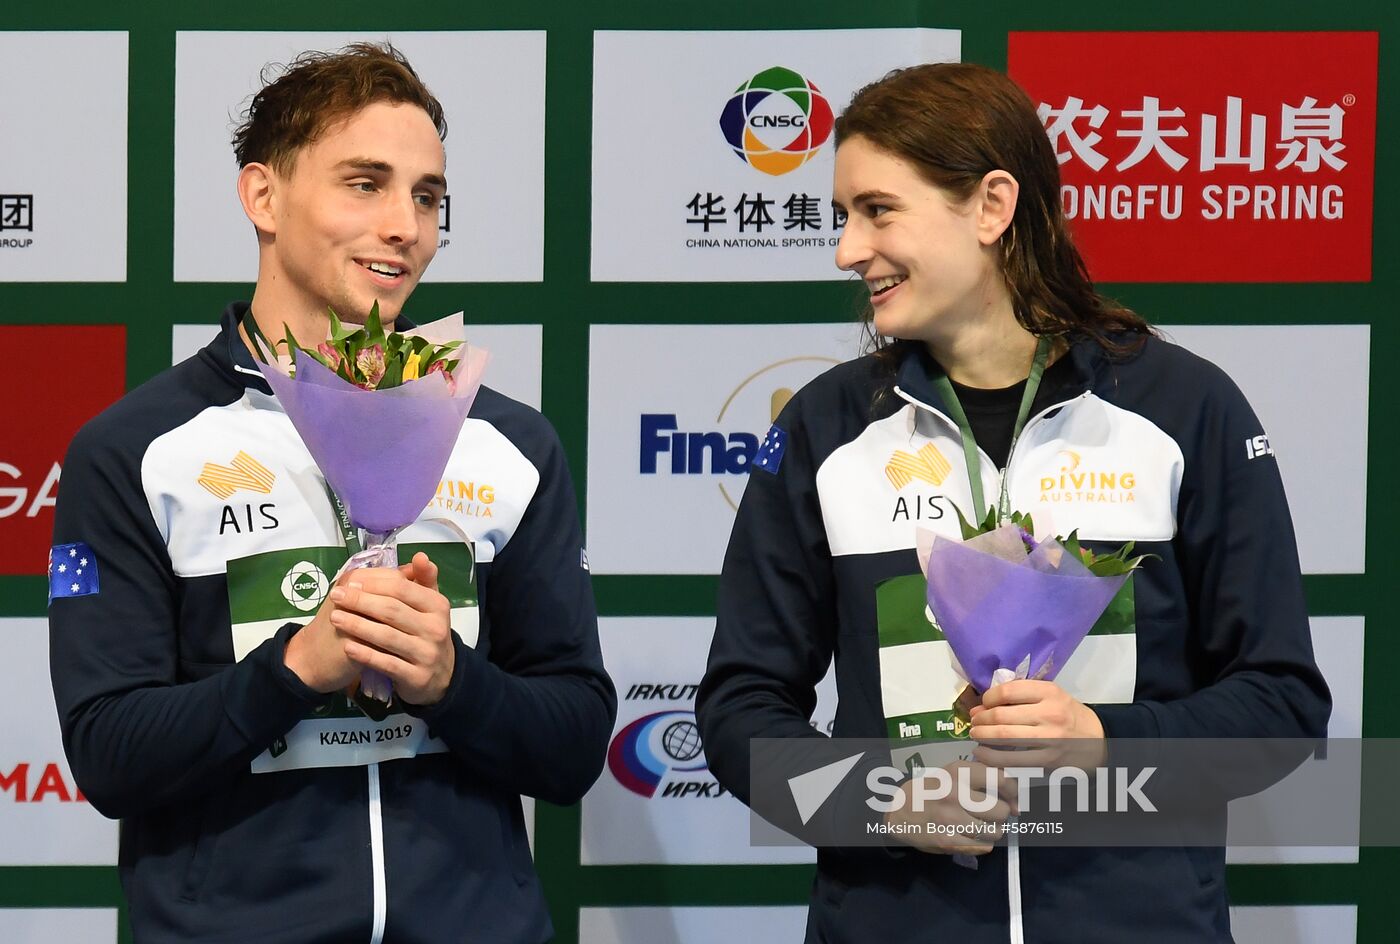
{"x":356,"y":216}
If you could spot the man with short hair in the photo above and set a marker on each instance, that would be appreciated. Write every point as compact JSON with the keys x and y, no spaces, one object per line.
{"x":200,"y":657}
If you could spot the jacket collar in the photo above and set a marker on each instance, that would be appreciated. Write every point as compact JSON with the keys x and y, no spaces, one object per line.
{"x":918,"y":370}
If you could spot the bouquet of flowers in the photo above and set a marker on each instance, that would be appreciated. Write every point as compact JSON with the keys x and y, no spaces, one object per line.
{"x":380,"y":413}
{"x":1014,"y":606}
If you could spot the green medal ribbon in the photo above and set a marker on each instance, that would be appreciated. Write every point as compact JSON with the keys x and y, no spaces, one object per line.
{"x":973,"y":460}
{"x":262,"y":347}
{"x":342,"y":518}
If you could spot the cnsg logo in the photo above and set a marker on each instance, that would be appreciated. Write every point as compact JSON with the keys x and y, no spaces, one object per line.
{"x":305,"y":586}
{"x":776,"y":121}
{"x":1078,"y":483}
{"x":927,"y":465}
{"x":753,"y":405}
{"x":656,"y":745}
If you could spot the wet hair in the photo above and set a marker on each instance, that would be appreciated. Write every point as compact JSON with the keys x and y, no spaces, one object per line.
{"x":303,"y":98}
{"x":954,"y":123}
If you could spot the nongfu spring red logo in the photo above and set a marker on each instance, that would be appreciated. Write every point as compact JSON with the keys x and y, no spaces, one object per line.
{"x":1229,"y":157}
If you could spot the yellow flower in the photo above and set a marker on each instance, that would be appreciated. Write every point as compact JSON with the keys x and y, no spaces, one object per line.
{"x":410,"y":369}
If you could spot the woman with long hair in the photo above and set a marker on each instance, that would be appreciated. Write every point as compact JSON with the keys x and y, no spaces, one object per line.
{"x":998,"y":370}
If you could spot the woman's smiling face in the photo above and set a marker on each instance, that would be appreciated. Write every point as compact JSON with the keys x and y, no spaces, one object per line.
{"x":922,"y":254}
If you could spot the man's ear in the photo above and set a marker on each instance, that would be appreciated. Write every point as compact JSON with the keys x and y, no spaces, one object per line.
{"x":257,"y":191}
{"x":996,"y":205}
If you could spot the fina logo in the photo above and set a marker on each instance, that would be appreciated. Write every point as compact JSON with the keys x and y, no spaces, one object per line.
{"x":776,"y":121}
{"x":752,"y":404}
{"x":653,"y":745}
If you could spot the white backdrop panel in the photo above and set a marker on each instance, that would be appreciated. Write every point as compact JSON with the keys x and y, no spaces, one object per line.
{"x":707,"y":379}
{"x":44,"y":828}
{"x":697,"y":826}
{"x":63,"y":164}
{"x":1310,"y":386}
{"x":53,"y":925}
{"x":1295,"y":924}
{"x":1340,"y":645}
{"x":491,"y":85}
{"x":657,"y":143}
{"x":690,"y":925}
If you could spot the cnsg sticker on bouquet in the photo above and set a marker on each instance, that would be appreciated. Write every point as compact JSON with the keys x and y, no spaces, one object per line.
{"x":1211,"y":157}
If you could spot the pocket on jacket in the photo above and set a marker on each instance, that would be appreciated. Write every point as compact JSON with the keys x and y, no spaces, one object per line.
{"x":514,"y":839}
{"x":1205,"y":861}
{"x":198,"y":868}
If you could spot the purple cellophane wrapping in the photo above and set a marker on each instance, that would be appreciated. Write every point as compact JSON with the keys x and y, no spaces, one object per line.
{"x":996,"y":612}
{"x":381,"y":451}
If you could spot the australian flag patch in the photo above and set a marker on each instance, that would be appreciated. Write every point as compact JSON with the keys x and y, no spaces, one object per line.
{"x":770,"y":451}
{"x":72,"y":571}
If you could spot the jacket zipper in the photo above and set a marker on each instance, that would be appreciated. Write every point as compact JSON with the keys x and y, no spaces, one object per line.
{"x":376,"y":855}
{"x":1001,"y":476}
{"x":1016,"y":929}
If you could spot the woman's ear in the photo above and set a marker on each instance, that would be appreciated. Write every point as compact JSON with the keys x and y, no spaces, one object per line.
{"x":995,"y":205}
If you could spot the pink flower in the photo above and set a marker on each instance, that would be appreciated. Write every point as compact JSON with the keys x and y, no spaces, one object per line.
{"x":331,"y":355}
{"x":370,"y":363}
{"x":440,"y":367}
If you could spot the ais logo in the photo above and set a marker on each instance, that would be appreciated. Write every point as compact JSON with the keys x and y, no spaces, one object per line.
{"x":654,"y":745}
{"x":776,"y":121}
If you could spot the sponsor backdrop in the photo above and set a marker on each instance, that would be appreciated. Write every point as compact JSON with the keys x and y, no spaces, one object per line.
{"x":498,"y":178}
{"x":640,"y":226}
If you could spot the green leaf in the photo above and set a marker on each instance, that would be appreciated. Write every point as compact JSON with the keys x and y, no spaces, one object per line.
{"x":260,"y":343}
{"x":339,"y":332}
{"x":374,"y":328}
{"x":393,"y":375}
{"x":968,"y":531}
{"x":439,"y":352}
{"x":292,"y":347}
{"x":1071,"y":544}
